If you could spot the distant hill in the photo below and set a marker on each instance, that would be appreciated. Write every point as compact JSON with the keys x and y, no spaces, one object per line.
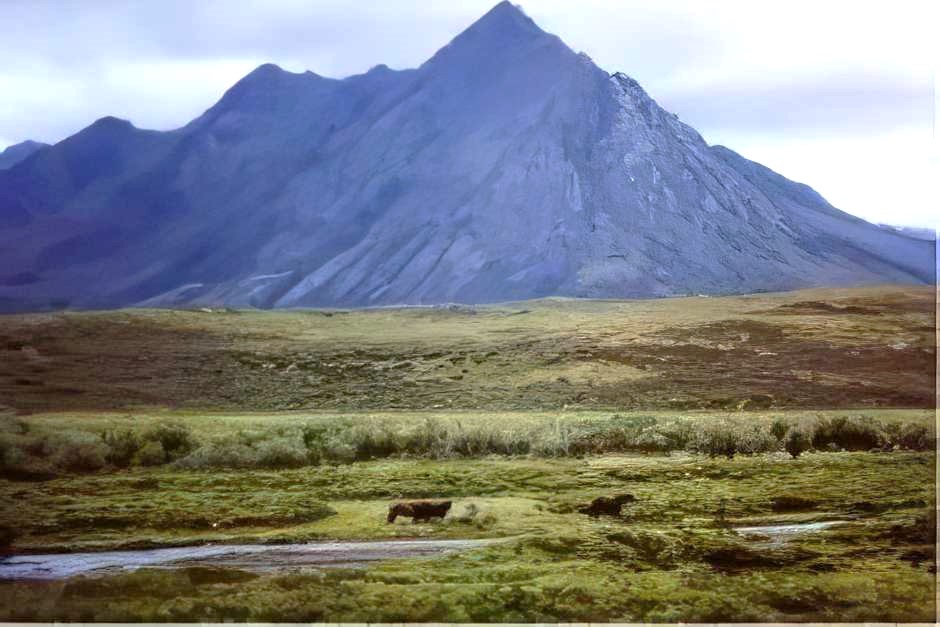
{"x":18,"y":152}
{"x":505,"y":167}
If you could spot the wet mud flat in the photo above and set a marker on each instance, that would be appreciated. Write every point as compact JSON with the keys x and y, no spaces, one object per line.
{"x":251,"y":557}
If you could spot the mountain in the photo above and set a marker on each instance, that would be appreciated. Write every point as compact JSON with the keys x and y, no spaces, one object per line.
{"x":18,"y":152}
{"x":505,"y":167}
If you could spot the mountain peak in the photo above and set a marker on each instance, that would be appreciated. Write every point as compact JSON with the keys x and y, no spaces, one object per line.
{"x":110,"y":121}
{"x":503,"y":29}
{"x":504,"y":21}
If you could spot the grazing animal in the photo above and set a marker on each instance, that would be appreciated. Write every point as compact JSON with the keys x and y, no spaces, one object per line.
{"x":418,"y":511}
{"x":607,"y":505}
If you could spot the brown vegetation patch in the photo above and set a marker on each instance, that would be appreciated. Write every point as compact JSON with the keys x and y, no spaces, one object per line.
{"x":734,"y":353}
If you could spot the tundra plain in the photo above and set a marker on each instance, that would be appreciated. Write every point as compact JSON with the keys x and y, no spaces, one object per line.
{"x":139,"y":429}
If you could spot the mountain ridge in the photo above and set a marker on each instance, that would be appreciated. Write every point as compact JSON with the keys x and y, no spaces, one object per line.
{"x":11,"y":155}
{"x":505,"y":167}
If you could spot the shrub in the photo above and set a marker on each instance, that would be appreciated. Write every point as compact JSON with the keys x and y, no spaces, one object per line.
{"x":24,"y":457}
{"x":753,"y":439}
{"x":916,"y":438}
{"x":678,"y":433}
{"x":221,"y":453}
{"x":151,"y":454}
{"x":339,"y":452}
{"x":485,"y":521}
{"x":487,"y":441}
{"x":651,"y":441}
{"x":176,"y":438}
{"x":856,"y":433}
{"x":122,"y":447}
{"x":554,"y":443}
{"x":430,"y":438}
{"x":779,"y":428}
{"x":714,"y":439}
{"x":373,"y":441}
{"x":282,"y":452}
{"x":892,"y":432}
{"x":797,"y":443}
{"x":79,"y":452}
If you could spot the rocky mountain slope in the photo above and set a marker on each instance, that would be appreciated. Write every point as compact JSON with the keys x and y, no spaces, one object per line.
{"x":505,"y":167}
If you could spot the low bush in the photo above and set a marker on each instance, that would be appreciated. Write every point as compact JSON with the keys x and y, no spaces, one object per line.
{"x":797,"y":443}
{"x":122,"y":447}
{"x":855,"y":433}
{"x":282,"y":452}
{"x":220,"y":453}
{"x":755,"y":439}
{"x":779,"y":428}
{"x":78,"y":451}
{"x":372,"y":441}
{"x":916,"y":438}
{"x":715,"y":440}
{"x":151,"y":454}
{"x":26,"y":454}
{"x":176,"y":438}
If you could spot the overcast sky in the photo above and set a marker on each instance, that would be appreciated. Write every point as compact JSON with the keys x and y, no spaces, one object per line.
{"x":839,"y":95}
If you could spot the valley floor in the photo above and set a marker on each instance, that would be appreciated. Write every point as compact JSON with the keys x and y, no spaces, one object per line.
{"x":145,"y":429}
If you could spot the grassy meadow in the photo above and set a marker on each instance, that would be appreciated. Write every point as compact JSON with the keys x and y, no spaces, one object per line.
{"x":140,"y":429}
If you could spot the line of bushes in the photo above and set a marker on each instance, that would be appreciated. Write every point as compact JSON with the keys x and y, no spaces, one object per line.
{"x":28,"y":455}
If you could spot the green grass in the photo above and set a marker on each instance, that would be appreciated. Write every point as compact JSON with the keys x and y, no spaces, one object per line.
{"x":666,"y":560}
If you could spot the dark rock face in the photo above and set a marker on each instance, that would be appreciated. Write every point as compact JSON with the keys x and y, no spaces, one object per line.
{"x":505,"y":167}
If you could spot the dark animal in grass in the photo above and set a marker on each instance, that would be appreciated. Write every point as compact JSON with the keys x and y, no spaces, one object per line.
{"x":418,"y":511}
{"x":606,"y":505}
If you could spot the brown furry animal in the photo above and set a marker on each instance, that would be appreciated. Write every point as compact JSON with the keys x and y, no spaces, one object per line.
{"x":607,"y":505}
{"x":418,"y":511}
